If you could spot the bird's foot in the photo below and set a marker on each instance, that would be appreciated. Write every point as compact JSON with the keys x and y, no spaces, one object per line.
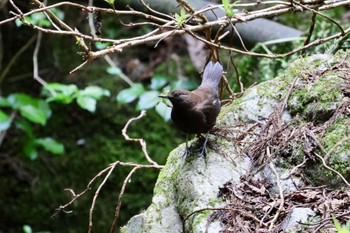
{"x":203,"y":149}
{"x":187,"y":151}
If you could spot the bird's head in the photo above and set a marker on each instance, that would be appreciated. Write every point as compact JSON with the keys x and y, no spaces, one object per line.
{"x":178,"y":97}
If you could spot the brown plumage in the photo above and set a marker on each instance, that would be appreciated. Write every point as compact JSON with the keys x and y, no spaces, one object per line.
{"x":195,"y":112}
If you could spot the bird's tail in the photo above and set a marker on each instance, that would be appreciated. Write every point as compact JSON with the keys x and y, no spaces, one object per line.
{"x":212,"y":75}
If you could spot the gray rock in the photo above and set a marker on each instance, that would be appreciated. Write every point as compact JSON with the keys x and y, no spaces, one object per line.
{"x":191,"y":184}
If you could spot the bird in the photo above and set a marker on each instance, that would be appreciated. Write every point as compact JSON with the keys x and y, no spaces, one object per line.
{"x":195,"y":112}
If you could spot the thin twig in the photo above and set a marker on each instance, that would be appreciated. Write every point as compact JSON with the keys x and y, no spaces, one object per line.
{"x":140,"y":140}
{"x":15,"y":57}
{"x":119,"y":203}
{"x":319,"y":13}
{"x":278,"y":182}
{"x":311,"y":29}
{"x":111,"y":168}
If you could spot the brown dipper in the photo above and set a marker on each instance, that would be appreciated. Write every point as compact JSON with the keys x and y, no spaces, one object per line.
{"x":195,"y":112}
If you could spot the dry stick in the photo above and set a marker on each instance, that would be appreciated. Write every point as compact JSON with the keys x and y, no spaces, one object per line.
{"x":88,"y":9}
{"x":119,"y":203}
{"x":319,"y":13}
{"x":107,"y":57}
{"x":278,"y":181}
{"x":156,"y":12}
{"x":140,"y":140}
{"x":191,"y":10}
{"x":75,"y":197}
{"x":16,"y":8}
{"x":239,"y":82}
{"x":62,"y":24}
{"x":273,"y":56}
{"x":111,"y":168}
{"x":93,"y":55}
{"x":36,"y":65}
{"x":15,"y":57}
{"x":333,"y":170}
{"x":310,"y":134}
{"x":311,"y":29}
{"x":294,"y":169}
{"x":239,"y":37}
{"x":285,"y":102}
{"x":325,"y":221}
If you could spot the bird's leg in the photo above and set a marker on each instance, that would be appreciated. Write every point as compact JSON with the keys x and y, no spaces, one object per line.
{"x":187,"y":149}
{"x":203,"y":149}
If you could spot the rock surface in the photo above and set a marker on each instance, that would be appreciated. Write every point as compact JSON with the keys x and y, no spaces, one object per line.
{"x":308,"y":97}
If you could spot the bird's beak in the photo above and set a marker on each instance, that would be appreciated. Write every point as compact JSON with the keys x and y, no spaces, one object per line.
{"x":163,"y":96}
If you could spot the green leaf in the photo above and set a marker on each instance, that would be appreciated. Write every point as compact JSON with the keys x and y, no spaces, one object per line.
{"x":45,"y":108}
{"x":225,"y":3}
{"x":339,"y":227}
{"x":25,"y":126}
{"x":50,"y":145}
{"x":164,"y":111}
{"x":158,"y":82}
{"x":4,"y":102}
{"x":19,"y":99}
{"x":148,"y":100}
{"x":65,"y":94}
{"x":27,"y":229}
{"x":61,"y":98}
{"x":184,"y":84}
{"x":95,"y":92}
{"x":30,"y":150}
{"x":62,"y":88}
{"x":33,"y":114}
{"x":58,"y":13}
{"x":35,"y":110}
{"x":102,"y":45}
{"x":180,"y":19}
{"x":5,"y":121}
{"x":114,"y":71}
{"x":87,"y":103}
{"x":110,"y":2}
{"x":130,"y":94}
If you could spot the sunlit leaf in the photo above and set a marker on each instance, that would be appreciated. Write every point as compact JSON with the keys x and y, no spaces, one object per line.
{"x":130,"y":94}
{"x":164,"y":111}
{"x":19,"y":99}
{"x":5,"y":121}
{"x":158,"y":82}
{"x":45,"y":108}
{"x":184,"y":84}
{"x":50,"y":145}
{"x":95,"y":92}
{"x":33,"y":114}
{"x":27,"y":229}
{"x":87,"y":103}
{"x":148,"y":100}
{"x":63,"y":93}
{"x":114,"y":71}
{"x":110,"y":2}
{"x":102,"y":45}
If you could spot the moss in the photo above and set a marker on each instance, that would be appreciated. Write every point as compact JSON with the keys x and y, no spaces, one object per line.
{"x":339,"y":158}
{"x":318,"y":94}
